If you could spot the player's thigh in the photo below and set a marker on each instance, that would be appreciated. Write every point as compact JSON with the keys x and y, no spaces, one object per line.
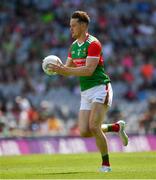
{"x":84,"y":121}
{"x":97,"y":115}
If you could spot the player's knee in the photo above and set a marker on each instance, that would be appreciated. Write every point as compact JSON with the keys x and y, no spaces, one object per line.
{"x":94,"y":129}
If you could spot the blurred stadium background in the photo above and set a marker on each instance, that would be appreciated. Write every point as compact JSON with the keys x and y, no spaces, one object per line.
{"x":35,"y":106}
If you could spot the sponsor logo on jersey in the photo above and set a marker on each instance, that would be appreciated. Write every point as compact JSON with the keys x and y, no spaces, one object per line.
{"x":79,"y":62}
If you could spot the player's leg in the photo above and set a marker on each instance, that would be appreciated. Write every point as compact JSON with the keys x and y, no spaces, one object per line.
{"x":118,"y":127}
{"x":84,"y":114}
{"x":84,"y":123}
{"x":98,"y":112}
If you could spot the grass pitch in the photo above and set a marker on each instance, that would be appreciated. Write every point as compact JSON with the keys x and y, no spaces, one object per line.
{"x":78,"y":166}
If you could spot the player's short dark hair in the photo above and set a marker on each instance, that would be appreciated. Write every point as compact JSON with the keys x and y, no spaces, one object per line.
{"x":81,"y":16}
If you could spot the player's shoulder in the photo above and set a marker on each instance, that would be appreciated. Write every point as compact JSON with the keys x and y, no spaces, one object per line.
{"x":92,"y":39}
{"x":93,"y":42}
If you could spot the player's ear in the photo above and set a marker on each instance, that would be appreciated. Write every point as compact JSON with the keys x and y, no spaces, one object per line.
{"x":84,"y":25}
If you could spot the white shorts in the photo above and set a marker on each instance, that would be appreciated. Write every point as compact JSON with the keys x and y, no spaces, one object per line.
{"x":101,"y":94}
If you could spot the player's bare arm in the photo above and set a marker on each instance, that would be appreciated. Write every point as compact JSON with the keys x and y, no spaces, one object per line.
{"x":69,"y":62}
{"x":87,"y":70}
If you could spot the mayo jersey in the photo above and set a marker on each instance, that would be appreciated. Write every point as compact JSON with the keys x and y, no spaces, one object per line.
{"x":90,"y":48}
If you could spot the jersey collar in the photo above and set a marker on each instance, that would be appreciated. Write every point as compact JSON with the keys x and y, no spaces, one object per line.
{"x":80,"y":44}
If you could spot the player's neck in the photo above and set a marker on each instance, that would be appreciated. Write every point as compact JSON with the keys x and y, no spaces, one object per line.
{"x":83,"y":37}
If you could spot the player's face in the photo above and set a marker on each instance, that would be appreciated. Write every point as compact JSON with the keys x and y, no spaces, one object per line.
{"x":75,"y":28}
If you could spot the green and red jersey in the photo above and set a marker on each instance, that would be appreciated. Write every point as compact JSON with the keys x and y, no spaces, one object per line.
{"x":90,"y":48}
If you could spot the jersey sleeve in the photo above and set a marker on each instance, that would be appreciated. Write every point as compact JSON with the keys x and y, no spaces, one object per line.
{"x":94,"y":50}
{"x":69,"y":53}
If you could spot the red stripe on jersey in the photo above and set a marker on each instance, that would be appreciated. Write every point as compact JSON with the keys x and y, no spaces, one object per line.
{"x":79,"y":62}
{"x":69,"y":55}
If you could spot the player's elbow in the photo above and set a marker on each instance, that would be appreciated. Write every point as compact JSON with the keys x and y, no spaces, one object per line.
{"x":90,"y":71}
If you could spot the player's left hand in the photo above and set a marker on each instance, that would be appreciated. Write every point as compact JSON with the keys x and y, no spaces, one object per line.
{"x":58,"y":68}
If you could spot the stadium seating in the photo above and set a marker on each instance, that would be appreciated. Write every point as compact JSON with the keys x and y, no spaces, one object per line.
{"x":33,"y":29}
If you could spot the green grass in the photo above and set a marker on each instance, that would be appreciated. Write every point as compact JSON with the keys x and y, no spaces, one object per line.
{"x":78,"y":166}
